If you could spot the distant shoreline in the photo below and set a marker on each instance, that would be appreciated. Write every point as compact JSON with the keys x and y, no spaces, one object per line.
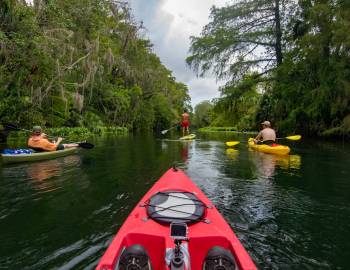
{"x":224,"y":129}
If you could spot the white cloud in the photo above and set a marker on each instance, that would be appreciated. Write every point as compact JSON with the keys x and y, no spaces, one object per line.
{"x":170,"y":24}
{"x":205,"y":89}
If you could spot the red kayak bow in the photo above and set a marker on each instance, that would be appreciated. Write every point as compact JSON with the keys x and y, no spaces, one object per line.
{"x":175,"y":226}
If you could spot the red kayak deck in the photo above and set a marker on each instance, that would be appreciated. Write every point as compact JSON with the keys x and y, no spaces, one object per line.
{"x":211,"y":231}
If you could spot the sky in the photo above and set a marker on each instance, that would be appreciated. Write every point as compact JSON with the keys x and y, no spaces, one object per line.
{"x":169,"y":25}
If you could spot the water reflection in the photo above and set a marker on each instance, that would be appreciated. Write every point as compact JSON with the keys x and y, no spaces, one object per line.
{"x":27,"y":181}
{"x":266,"y":163}
{"x":184,"y":150}
{"x":42,"y":170}
{"x":232,"y":154}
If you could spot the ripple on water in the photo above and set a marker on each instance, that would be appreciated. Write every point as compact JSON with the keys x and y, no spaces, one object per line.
{"x":69,"y":257}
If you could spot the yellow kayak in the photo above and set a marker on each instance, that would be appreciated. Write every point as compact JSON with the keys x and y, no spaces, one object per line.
{"x":188,"y":137}
{"x":277,"y":150}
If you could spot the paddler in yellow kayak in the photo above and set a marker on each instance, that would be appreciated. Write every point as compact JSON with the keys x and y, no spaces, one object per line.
{"x":38,"y":141}
{"x":267,"y":135}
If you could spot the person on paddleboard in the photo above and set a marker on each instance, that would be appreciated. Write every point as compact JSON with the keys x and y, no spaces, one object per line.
{"x":267,"y":135}
{"x":38,"y":141}
{"x":185,"y":123}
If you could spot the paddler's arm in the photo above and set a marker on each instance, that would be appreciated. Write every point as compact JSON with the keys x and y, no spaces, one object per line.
{"x":59,"y":140}
{"x":258,"y":138}
{"x":56,"y":143}
{"x":46,"y":145}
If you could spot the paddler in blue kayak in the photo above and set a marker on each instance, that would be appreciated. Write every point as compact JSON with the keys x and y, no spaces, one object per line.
{"x":38,"y":141}
{"x":185,"y":122}
{"x":267,"y":135}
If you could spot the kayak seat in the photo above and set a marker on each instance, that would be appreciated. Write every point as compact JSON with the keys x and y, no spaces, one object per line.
{"x":219,"y":258}
{"x":38,"y":149}
{"x":134,"y":257}
{"x":139,"y":246}
{"x":175,"y":206}
{"x":199,"y":247}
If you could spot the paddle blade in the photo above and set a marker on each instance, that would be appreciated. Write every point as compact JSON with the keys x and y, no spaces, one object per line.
{"x":230,"y":144}
{"x":86,"y":145}
{"x":294,"y":137}
{"x":164,"y":131}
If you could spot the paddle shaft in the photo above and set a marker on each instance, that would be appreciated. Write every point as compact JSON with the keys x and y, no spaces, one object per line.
{"x":166,"y":130}
{"x":292,"y":138}
{"x":171,"y":128}
{"x":49,"y":136}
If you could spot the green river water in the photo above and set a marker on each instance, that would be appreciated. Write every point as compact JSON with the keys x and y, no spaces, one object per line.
{"x":289,"y":213}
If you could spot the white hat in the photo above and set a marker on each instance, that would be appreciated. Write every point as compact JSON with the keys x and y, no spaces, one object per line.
{"x":266,"y":123}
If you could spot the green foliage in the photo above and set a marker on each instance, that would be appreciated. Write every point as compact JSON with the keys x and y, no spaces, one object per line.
{"x":238,"y":104}
{"x":110,"y":130}
{"x":70,"y":133}
{"x":202,"y":113}
{"x":225,"y":129}
{"x":217,"y":129}
{"x":163,"y":113}
{"x":82,"y":63}
{"x":308,"y":92}
{"x":312,"y":94}
{"x":240,"y":37}
{"x":343,"y":130}
{"x":145,"y":116}
{"x":76,"y":133}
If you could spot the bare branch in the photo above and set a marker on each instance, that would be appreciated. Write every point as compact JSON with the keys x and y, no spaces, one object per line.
{"x":76,"y":62}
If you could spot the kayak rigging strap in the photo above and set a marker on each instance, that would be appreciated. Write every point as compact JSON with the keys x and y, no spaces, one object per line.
{"x":181,"y":192}
{"x":175,"y":206}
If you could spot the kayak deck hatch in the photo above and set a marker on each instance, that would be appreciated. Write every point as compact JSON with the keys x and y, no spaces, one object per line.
{"x":175,"y":206}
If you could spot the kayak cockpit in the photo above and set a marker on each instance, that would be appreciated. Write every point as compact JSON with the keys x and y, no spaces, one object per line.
{"x":157,"y":251}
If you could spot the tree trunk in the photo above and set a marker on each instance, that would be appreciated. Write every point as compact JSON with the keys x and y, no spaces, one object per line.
{"x":278,"y":45}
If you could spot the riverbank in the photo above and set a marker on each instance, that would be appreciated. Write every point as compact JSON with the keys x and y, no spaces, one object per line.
{"x":74,"y":133}
{"x":335,"y":134}
{"x":224,"y":129}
